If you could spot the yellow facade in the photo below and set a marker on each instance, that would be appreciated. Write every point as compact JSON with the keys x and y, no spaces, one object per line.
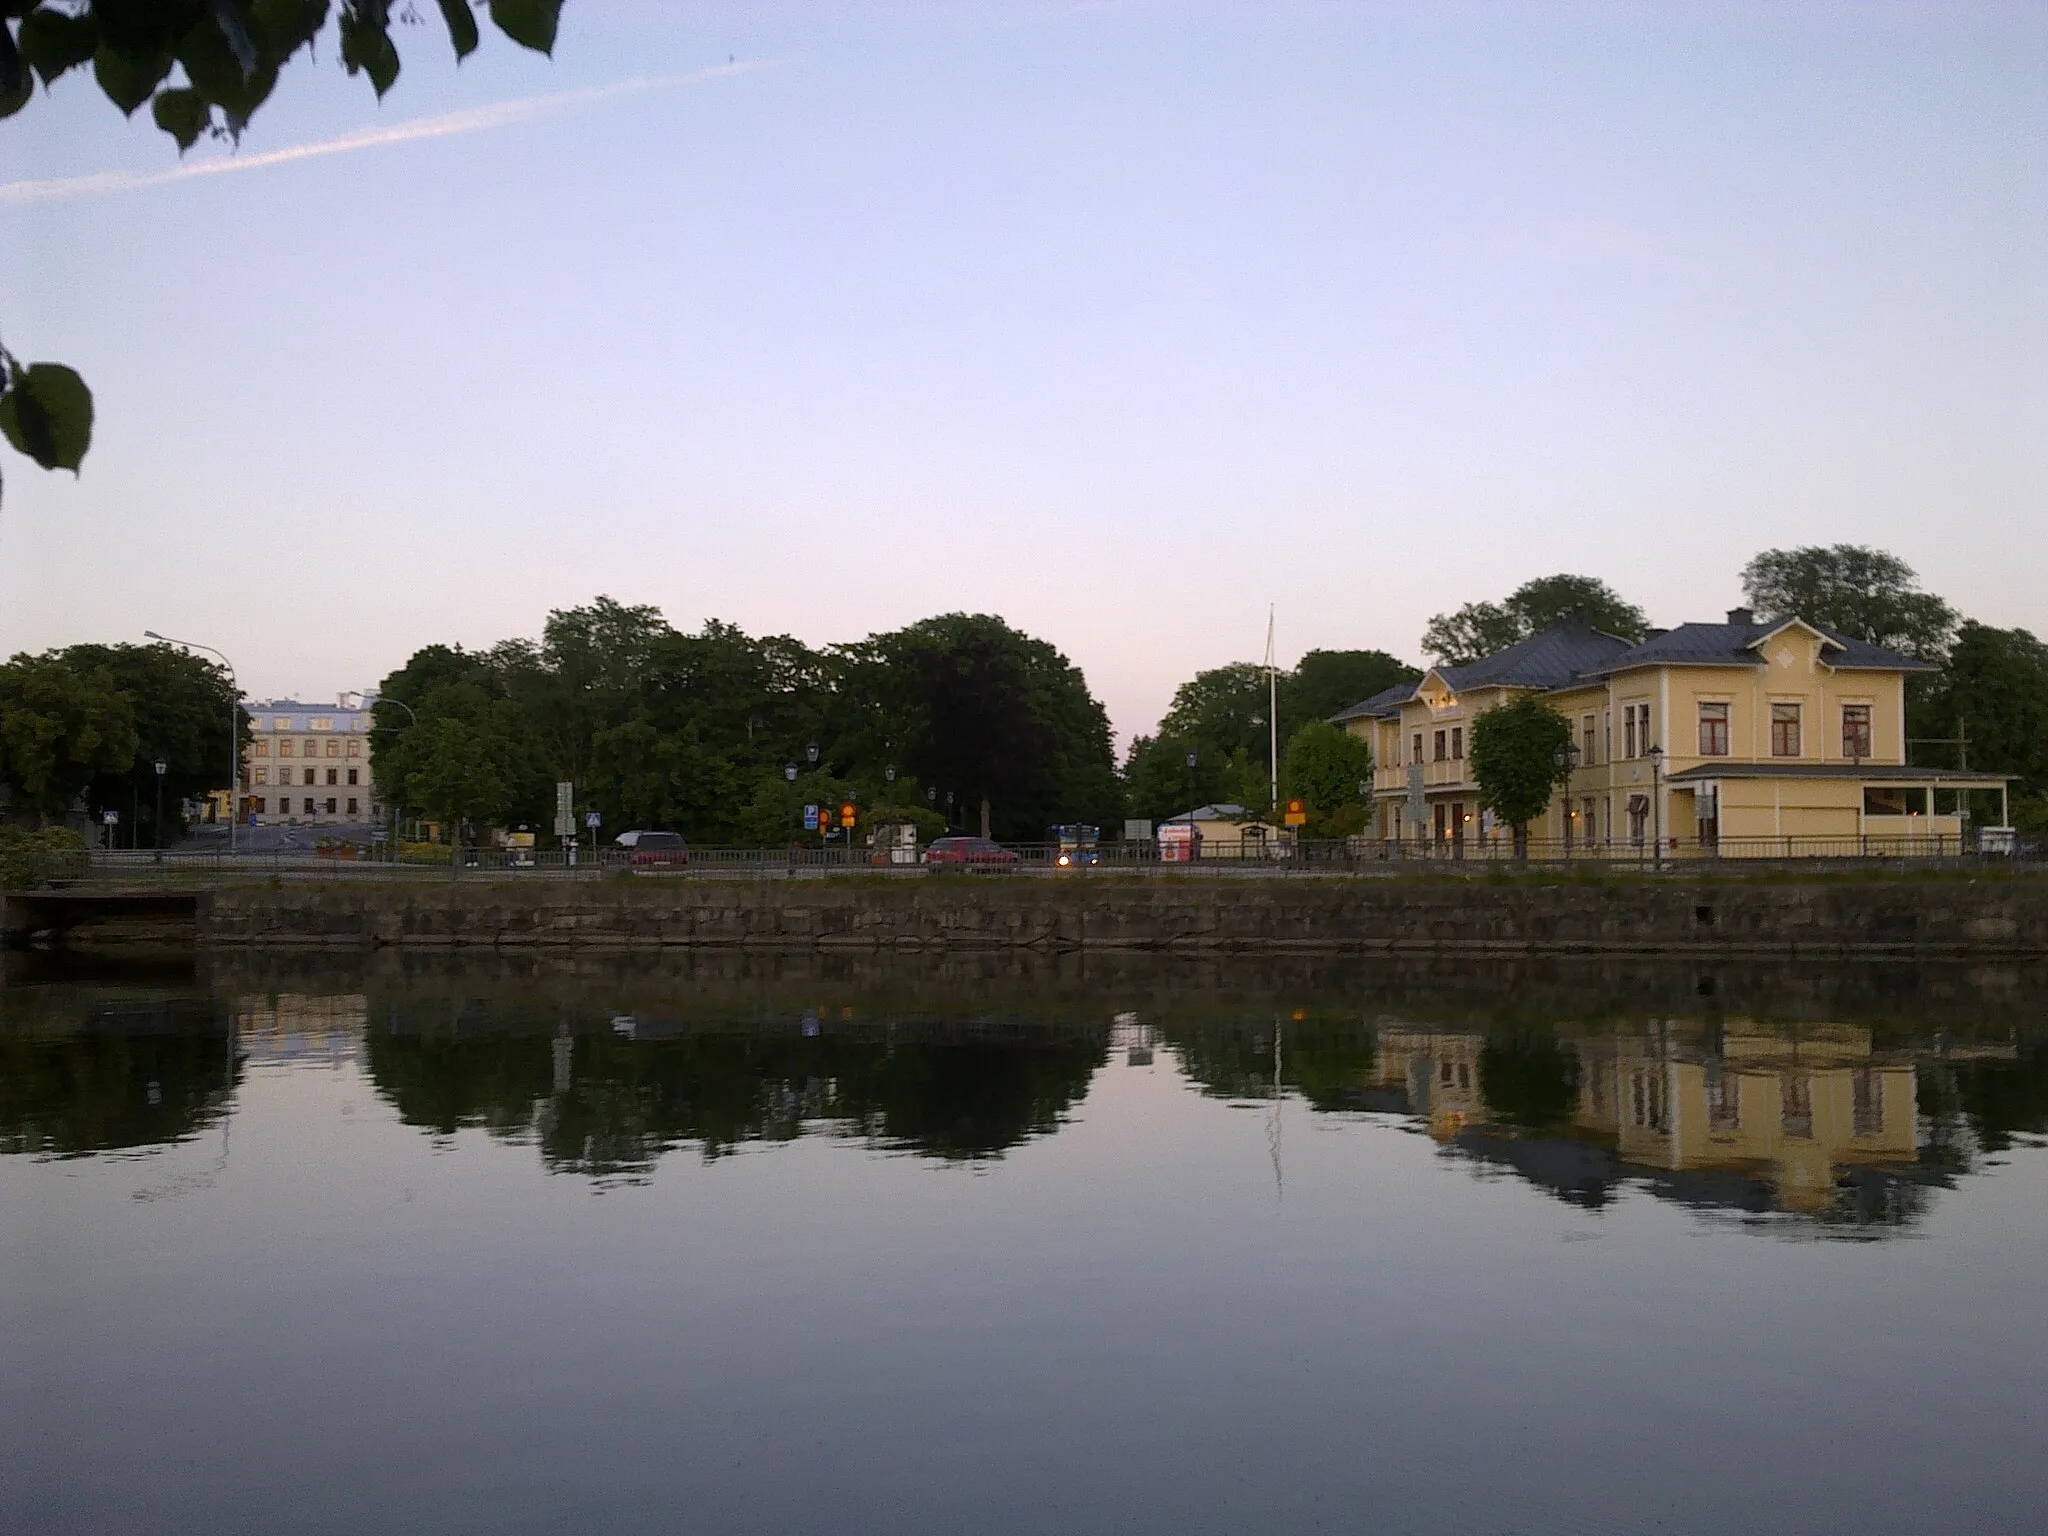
{"x":1732,"y":739}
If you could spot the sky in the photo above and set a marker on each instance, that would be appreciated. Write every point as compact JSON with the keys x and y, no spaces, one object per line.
{"x":1122,"y":321}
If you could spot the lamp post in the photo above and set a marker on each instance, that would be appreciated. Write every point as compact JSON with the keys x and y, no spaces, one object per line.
{"x":156,"y":839}
{"x":415,"y":719}
{"x":1567,"y":758}
{"x":1191,"y":807}
{"x":1657,"y":808}
{"x":234,"y":724}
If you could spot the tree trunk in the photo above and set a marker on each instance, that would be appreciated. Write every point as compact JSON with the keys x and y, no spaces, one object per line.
{"x":984,"y":815}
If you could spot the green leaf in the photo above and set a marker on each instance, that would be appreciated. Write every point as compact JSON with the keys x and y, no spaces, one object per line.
{"x":529,"y":23}
{"x":47,"y":414}
{"x":183,"y":114}
{"x":129,"y":76}
{"x":53,"y":41}
{"x":461,"y":26}
{"x":14,"y":80}
{"x":215,"y":70}
{"x":366,"y":48}
{"x":229,"y":24}
{"x":286,"y":26}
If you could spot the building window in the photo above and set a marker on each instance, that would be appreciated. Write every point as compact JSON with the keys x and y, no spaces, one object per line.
{"x":330,"y":805}
{"x":321,"y":723}
{"x":1784,"y":730}
{"x":1635,"y":730}
{"x":284,"y":746}
{"x":1438,"y":744}
{"x":352,"y":775}
{"x":262,"y":806}
{"x":312,"y":776}
{"x":334,"y":748}
{"x":1587,"y":741}
{"x":1856,"y":731}
{"x":1592,"y":822}
{"x":309,"y":807}
{"x":352,"y":807}
{"x":333,"y":777}
{"x":1418,"y":748}
{"x":1458,"y":743}
{"x":263,"y":749}
{"x":1713,"y":730}
{"x":1867,"y":1102}
{"x":1646,"y":1099}
{"x":262,"y":775}
{"x":1894,"y":802}
{"x":355,"y":746}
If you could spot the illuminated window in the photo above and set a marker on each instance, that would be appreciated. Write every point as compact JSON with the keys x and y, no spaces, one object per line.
{"x":355,"y":748}
{"x":284,"y":746}
{"x":1856,"y":730}
{"x":262,"y":775}
{"x":1713,"y":730}
{"x":334,"y":749}
{"x":322,"y":723}
{"x":1784,"y":730}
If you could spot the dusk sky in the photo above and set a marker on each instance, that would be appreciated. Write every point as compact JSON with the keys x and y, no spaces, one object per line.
{"x":1122,"y":321}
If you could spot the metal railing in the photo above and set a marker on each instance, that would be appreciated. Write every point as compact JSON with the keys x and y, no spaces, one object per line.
{"x":1278,"y":857}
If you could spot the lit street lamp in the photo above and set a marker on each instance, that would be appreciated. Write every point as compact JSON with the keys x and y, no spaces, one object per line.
{"x":1657,"y":807}
{"x":1567,"y":758}
{"x":234,"y":725}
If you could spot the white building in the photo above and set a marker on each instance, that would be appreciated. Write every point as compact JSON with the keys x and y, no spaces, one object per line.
{"x":309,"y":763}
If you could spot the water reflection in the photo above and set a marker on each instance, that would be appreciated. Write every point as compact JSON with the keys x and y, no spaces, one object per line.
{"x":1835,"y":1126}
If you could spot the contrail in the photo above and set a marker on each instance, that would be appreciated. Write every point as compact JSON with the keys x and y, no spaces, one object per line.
{"x":503,"y":114}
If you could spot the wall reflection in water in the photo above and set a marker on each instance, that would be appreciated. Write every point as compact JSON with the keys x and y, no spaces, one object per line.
{"x":1837,"y":1127}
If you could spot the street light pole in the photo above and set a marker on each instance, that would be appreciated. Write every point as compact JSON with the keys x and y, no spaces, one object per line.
{"x":1657,"y":808}
{"x":1191,"y":807}
{"x":234,"y":725}
{"x":156,"y":839}
{"x":395,"y":807}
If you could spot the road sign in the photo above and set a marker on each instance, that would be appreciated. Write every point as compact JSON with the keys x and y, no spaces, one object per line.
{"x":1297,"y":815}
{"x":592,"y":820}
{"x":810,"y":818}
{"x":565,"y":808}
{"x":846,"y":814}
{"x":110,"y":818}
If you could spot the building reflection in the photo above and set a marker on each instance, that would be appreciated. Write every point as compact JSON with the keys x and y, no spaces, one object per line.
{"x":1816,"y":1121}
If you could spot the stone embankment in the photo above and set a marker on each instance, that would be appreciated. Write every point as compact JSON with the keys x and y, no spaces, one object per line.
{"x":1843,"y":915}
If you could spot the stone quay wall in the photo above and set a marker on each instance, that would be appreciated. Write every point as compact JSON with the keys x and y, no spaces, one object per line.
{"x":1840,"y":915}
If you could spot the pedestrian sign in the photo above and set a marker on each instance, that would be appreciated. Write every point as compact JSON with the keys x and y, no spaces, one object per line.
{"x":592,"y":820}
{"x":1296,"y":815}
{"x":810,"y":818}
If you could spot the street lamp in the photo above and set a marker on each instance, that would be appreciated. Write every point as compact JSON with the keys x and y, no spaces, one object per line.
{"x":1191,"y":807}
{"x":234,"y":724}
{"x":157,"y":836}
{"x":889,"y":773}
{"x":395,"y":807}
{"x":1567,"y":758}
{"x":1657,"y":808}
{"x":811,"y":752}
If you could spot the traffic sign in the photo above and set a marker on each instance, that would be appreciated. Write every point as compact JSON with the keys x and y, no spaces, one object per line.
{"x":110,"y":818}
{"x":592,"y":820}
{"x":846,"y":814}
{"x":810,"y":818}
{"x":1297,"y":814}
{"x":565,"y":808}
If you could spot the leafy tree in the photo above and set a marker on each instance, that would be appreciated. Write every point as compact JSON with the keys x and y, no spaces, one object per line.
{"x":61,"y":726}
{"x":998,"y":717}
{"x":1324,"y":767}
{"x":1865,"y":594}
{"x":184,"y":708}
{"x":1479,"y":629}
{"x":1995,"y":688}
{"x":1515,"y":761}
{"x":205,"y":67}
{"x":1325,"y":683}
{"x":1528,"y":1080}
{"x":1158,"y":783}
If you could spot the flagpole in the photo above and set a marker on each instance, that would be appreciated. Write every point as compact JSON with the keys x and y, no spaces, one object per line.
{"x":1272,"y":720}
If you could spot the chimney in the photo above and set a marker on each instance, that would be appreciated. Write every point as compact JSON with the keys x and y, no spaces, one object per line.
{"x":1741,"y":616}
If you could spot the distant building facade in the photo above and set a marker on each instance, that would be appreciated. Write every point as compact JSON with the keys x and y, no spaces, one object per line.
{"x":1730,"y":738}
{"x":309,"y":764}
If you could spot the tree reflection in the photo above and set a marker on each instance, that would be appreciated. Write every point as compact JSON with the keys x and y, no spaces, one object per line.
{"x":117,"y":1083}
{"x":607,"y":1104}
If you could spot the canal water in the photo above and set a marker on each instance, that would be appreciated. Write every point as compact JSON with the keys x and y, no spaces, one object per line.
{"x":751,"y":1245}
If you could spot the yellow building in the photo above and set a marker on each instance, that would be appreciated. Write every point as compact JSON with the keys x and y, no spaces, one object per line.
{"x":1731,"y":738}
{"x":309,"y":764}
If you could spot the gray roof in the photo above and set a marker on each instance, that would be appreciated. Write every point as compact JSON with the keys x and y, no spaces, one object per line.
{"x":1726,"y":645}
{"x":1873,"y":773}
{"x":1387,"y":701}
{"x":1551,"y":658}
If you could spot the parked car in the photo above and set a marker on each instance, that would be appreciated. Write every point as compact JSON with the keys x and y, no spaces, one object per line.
{"x":968,"y":853}
{"x":660,"y":850}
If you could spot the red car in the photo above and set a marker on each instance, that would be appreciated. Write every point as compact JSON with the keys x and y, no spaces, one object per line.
{"x":968,"y":853}
{"x":660,"y":850}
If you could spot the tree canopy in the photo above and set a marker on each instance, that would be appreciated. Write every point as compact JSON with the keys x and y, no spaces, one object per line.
{"x":1865,"y":594}
{"x":1515,"y":760}
{"x":696,"y":732}
{"x":1324,"y":767}
{"x":61,"y":726}
{"x":1994,"y":689}
{"x":205,"y":67}
{"x":1479,"y":629}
